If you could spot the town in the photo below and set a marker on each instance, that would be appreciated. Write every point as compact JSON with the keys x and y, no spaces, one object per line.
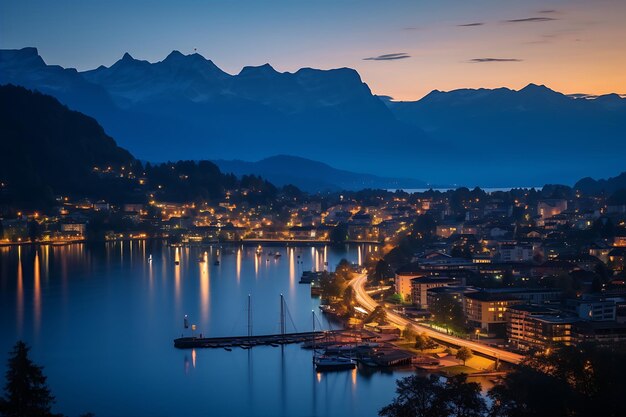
{"x":523,"y":269}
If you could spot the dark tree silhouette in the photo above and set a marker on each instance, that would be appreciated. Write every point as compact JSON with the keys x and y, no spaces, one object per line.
{"x":462,"y":398}
{"x":585,"y":380}
{"x":418,"y":396}
{"x":26,"y":392}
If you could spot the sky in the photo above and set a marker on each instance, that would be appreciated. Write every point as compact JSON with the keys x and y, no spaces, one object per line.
{"x":403,"y":49}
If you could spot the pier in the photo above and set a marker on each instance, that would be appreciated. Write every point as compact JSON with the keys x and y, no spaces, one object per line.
{"x":251,"y":341}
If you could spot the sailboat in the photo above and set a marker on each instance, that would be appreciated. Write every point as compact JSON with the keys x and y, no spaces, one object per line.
{"x":330,"y":363}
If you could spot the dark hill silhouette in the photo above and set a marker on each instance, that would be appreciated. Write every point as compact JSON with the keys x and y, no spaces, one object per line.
{"x":49,"y":150}
{"x":313,"y":176}
{"x":608,"y":186}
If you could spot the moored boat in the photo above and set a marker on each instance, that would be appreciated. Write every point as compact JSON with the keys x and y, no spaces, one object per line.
{"x":333,"y":363}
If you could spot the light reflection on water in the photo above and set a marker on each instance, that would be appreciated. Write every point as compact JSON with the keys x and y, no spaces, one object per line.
{"x":101,"y":319}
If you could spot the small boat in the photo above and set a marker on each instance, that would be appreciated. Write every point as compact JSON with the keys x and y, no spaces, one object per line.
{"x":176,"y":262}
{"x":216,"y":262}
{"x":259,"y":251}
{"x":227,"y":349}
{"x":273,"y":345}
{"x":277,"y":255}
{"x":336,"y":363}
{"x":150,"y":258}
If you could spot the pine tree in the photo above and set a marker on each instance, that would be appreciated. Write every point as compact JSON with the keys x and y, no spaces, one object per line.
{"x":26,"y":392}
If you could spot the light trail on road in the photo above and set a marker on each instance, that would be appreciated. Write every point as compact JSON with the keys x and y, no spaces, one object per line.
{"x":367,"y":302}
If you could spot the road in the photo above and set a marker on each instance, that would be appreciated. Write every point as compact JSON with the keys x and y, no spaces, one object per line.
{"x":367,"y":302}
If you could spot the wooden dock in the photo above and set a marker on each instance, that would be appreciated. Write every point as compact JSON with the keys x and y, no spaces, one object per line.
{"x":247,"y":342}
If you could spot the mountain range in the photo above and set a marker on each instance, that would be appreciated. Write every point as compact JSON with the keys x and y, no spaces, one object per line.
{"x":185,"y":107}
{"x":313,"y":176}
{"x":608,"y":186}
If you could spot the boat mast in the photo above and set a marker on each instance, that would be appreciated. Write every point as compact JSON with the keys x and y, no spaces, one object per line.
{"x":249,"y":316}
{"x":314,"y":352}
{"x":282,"y":315}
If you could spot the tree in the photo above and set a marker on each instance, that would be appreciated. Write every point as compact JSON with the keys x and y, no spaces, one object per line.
{"x":343,"y":269}
{"x":26,"y":392}
{"x":420,"y":396}
{"x":462,"y":398}
{"x":34,"y":230}
{"x":381,"y":272}
{"x":417,"y":396}
{"x":464,"y":354}
{"x":564,"y":381}
{"x":379,"y":315}
{"x":339,"y":234}
{"x":424,"y":226}
{"x":331,"y":285}
{"x":395,"y":298}
{"x":349,"y":299}
{"x":527,"y":392}
{"x":423,"y":342}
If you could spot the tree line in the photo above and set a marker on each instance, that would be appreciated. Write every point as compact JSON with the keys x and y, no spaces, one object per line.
{"x":566,"y":381}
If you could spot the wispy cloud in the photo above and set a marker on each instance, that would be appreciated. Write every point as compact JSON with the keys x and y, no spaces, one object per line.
{"x":388,"y":57}
{"x":531,"y":20}
{"x":484,"y":60}
{"x":412,"y":28}
{"x":547,"y":11}
{"x":472,"y":24}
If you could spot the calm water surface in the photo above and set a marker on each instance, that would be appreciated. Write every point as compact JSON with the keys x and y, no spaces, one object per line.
{"x":102,"y":319}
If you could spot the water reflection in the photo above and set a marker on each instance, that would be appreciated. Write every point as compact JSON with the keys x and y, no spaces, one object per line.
{"x":37,"y":293}
{"x":238,"y":264}
{"x":177,"y":268}
{"x":256,"y":265}
{"x":204,"y":289}
{"x":141,"y":303}
{"x":292,"y":271}
{"x":20,"y":292}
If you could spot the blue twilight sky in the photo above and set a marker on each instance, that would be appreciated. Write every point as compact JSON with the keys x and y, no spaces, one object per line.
{"x":414,"y":46}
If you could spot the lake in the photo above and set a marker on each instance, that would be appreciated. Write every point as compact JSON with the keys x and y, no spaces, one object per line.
{"x":101,"y":320}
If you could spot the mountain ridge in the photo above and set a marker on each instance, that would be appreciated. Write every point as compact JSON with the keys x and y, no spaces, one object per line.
{"x":313,"y":176}
{"x":178,"y":109}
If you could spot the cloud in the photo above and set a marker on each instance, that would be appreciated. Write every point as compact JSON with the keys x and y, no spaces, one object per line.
{"x":471,"y":24}
{"x":482,"y":60}
{"x":388,"y":57}
{"x":547,"y":11}
{"x":531,"y":19}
